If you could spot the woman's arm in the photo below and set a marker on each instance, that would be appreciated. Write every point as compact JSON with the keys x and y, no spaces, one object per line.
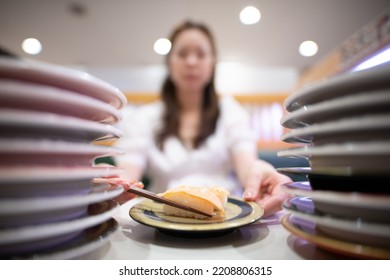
{"x":131,"y":175}
{"x":261,"y":181}
{"x":242,"y":162}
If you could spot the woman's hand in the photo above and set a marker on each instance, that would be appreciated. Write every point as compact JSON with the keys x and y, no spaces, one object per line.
{"x":115,"y":182}
{"x":263,"y":185}
{"x":125,"y":196}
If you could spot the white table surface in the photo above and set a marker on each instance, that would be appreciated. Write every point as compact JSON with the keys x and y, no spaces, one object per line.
{"x":265,"y":239}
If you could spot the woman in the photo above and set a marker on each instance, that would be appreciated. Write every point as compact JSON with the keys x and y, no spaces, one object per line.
{"x":193,"y":137}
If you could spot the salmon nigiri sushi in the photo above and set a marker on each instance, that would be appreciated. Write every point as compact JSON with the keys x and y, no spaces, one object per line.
{"x":211,"y":200}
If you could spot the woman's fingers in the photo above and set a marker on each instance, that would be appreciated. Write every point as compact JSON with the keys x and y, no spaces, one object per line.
{"x":264,"y":187}
{"x":115,"y":182}
{"x":271,"y":204}
{"x":253,"y":183}
{"x":126,"y":196}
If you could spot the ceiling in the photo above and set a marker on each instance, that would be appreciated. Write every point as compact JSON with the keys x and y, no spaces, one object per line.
{"x":122,"y":32}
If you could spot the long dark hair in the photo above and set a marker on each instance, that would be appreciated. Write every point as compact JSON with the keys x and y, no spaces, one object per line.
{"x":210,"y":108}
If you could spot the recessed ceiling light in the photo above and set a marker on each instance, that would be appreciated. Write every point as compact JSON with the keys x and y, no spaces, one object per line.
{"x":77,"y":9}
{"x":308,"y":48}
{"x":250,"y":15}
{"x":31,"y":46}
{"x":162,"y":46}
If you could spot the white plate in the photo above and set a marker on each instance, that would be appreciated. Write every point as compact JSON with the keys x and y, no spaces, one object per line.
{"x":29,"y":181}
{"x":307,"y":231}
{"x":33,"y":238}
{"x":31,"y":174}
{"x":62,"y":77}
{"x":29,"y":124}
{"x":300,"y":203}
{"x":370,"y":207}
{"x":343,"y":179}
{"x":36,"y":97}
{"x":90,"y":240}
{"x":352,"y":199}
{"x":368,"y":157}
{"x":341,"y":85}
{"x":336,"y":171}
{"x":238,"y":213}
{"x":375,"y":102}
{"x":52,"y":153}
{"x":368,"y":233}
{"x":365,"y":128}
{"x":39,"y":210}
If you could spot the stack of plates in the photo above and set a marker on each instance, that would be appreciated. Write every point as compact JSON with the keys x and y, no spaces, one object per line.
{"x":51,"y":118}
{"x":342,"y":127}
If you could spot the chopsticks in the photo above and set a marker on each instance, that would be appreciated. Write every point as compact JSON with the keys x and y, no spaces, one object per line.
{"x":148,"y":194}
{"x":154,"y":197}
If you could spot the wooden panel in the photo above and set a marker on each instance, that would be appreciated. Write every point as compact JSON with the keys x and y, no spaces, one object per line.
{"x":365,"y":42}
{"x":147,"y":97}
{"x":261,"y":145}
{"x":141,"y":97}
{"x":262,"y":98}
{"x":327,"y":67}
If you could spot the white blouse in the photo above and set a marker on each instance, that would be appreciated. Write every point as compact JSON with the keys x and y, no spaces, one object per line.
{"x":210,"y":164}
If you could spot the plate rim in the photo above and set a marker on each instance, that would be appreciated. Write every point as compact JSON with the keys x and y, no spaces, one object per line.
{"x":256,"y":214}
{"x":55,"y":173}
{"x":59,"y":122}
{"x":30,"y":146}
{"x":294,"y":119}
{"x":74,"y":79}
{"x":338,"y":198}
{"x":336,"y":85}
{"x":342,"y":224}
{"x":371,"y":148}
{"x":18,"y":206}
{"x":325,"y":242}
{"x":344,"y":171}
{"x":10,"y":88}
{"x":41,"y":231}
{"x":350,"y":125}
{"x":71,"y":250}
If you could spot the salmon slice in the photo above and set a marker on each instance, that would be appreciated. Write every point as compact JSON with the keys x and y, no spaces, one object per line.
{"x":211,"y":200}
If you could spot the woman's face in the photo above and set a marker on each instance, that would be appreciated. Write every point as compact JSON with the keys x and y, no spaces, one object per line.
{"x":191,"y":61}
